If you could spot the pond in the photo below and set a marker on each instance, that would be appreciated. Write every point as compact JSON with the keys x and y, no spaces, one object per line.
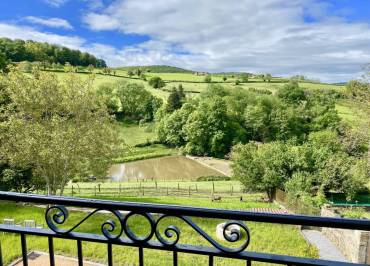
{"x":163,"y":168}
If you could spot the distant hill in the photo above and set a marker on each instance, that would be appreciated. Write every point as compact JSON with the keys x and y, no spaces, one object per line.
{"x":158,"y":69}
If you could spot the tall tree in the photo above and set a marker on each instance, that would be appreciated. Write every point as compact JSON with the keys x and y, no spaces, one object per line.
{"x":59,"y":128}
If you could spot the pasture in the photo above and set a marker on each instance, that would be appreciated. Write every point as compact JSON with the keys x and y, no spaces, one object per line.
{"x":270,"y":238}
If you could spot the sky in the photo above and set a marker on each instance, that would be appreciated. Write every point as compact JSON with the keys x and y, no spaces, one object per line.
{"x":322,"y":39}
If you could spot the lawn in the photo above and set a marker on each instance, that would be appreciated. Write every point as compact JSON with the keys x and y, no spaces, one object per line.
{"x":133,"y":133}
{"x":141,"y":189}
{"x":270,"y":238}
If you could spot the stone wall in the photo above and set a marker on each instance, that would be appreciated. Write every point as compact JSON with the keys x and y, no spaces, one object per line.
{"x":354,"y":244}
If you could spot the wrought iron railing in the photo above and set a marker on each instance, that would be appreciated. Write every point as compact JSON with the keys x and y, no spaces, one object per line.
{"x":117,"y":231}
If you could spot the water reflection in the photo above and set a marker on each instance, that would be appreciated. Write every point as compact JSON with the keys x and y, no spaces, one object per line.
{"x":164,"y":168}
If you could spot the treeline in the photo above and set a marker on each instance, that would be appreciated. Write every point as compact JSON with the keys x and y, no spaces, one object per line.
{"x":293,"y":140}
{"x":20,"y":50}
{"x":222,"y":117}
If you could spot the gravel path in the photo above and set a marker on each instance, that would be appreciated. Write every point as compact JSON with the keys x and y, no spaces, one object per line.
{"x":327,"y":250}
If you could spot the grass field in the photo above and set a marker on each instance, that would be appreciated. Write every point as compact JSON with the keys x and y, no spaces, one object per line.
{"x":133,"y":189}
{"x":270,"y":238}
{"x":351,"y":112}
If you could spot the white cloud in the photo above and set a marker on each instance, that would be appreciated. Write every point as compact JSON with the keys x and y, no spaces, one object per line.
{"x":56,"y":3}
{"x":29,"y":33}
{"x":50,"y":22}
{"x":246,"y":35}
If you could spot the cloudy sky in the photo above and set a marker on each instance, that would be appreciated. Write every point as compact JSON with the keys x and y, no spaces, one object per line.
{"x":324,"y":39}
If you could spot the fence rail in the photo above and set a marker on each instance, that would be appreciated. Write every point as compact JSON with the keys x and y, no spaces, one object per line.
{"x":157,"y":189}
{"x":119,"y":233}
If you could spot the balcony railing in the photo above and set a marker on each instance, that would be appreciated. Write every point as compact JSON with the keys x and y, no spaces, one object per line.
{"x":117,"y":231}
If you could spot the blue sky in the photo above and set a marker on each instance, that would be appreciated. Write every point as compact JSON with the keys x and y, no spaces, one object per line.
{"x":324,"y":39}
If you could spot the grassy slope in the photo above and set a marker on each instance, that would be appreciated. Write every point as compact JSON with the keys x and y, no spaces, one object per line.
{"x":348,"y":110}
{"x":280,"y":239}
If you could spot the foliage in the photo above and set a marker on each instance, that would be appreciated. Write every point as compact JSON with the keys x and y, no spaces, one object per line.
{"x":208,"y":79}
{"x":175,"y":99}
{"x":156,"y":82}
{"x":354,"y":213}
{"x":208,"y":129}
{"x":136,"y":102}
{"x":170,"y":128}
{"x":3,"y":61}
{"x":244,"y":77}
{"x":61,"y":129}
{"x":312,"y":169}
{"x":109,"y":96}
{"x":359,"y":89}
{"x":18,"y":179}
{"x":19,"y":50}
{"x":224,"y":116}
{"x":261,"y":167}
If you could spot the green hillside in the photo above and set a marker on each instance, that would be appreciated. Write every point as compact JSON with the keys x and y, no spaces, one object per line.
{"x":158,"y":69}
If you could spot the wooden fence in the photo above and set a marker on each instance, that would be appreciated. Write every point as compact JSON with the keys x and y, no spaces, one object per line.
{"x":155,"y":190}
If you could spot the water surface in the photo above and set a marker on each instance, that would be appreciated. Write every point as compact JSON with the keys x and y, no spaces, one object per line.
{"x":163,"y":168}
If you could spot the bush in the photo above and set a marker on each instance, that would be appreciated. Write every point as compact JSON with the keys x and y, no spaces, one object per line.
{"x":156,"y":82}
{"x":354,"y":213}
{"x":208,"y":79}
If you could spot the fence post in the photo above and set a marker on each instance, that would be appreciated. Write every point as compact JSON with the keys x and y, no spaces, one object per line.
{"x":178,"y":186}
{"x":167,"y":189}
{"x":213,"y":187}
{"x":189,"y":191}
{"x":72,"y":190}
{"x":232,"y":189}
{"x":119,"y":188}
{"x":196,"y":187}
{"x":99,"y":187}
{"x":156,"y":185}
{"x":143,"y":190}
{"x":95,"y":190}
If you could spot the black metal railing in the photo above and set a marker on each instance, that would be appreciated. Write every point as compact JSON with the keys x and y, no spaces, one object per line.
{"x":117,"y":231}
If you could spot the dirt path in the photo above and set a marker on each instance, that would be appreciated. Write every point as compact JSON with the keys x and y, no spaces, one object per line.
{"x":222,"y":166}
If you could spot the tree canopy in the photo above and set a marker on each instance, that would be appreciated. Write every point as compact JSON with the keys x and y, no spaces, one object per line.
{"x":156,"y":82}
{"x":59,"y":129}
{"x":19,"y":50}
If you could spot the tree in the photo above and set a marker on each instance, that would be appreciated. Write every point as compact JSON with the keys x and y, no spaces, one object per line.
{"x":292,"y":93}
{"x":61,"y":129}
{"x":260,"y":167}
{"x":208,"y":129}
{"x":139,"y":72}
{"x":20,"y":180}
{"x":130,"y":73}
{"x":358,"y":89}
{"x":224,"y":78}
{"x":2,"y":61}
{"x":137,"y":102}
{"x":268,"y":77}
{"x":156,"y":82}
{"x":245,"y":77}
{"x":175,"y":99}
{"x":208,"y":79}
{"x":170,"y":127}
{"x":109,"y":96}
{"x":25,"y":66}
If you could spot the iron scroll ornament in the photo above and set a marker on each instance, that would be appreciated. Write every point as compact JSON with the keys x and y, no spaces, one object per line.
{"x":172,"y":232}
